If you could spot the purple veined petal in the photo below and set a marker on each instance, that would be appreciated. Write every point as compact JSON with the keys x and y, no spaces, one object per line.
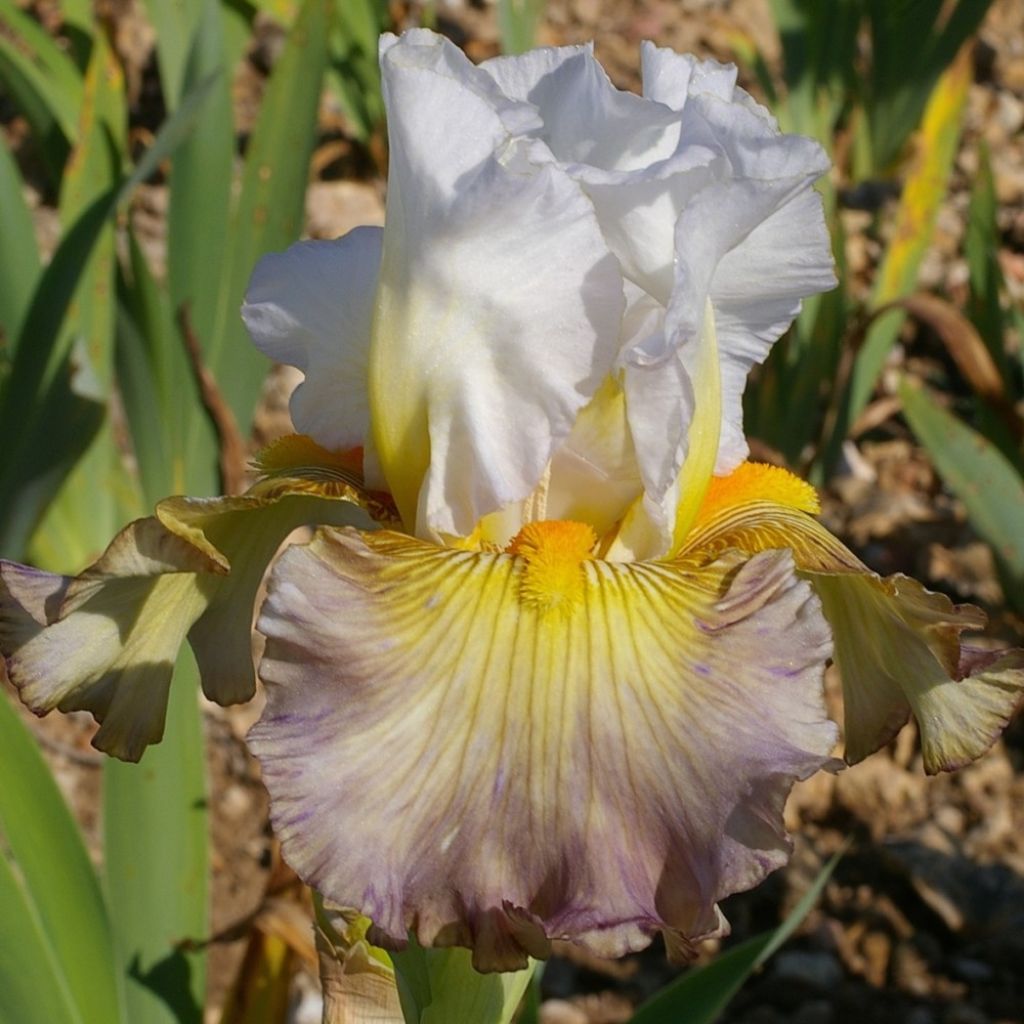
{"x":449,"y":758}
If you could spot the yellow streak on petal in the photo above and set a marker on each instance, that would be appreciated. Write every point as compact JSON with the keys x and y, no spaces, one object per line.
{"x":296,"y":451}
{"x":296,"y":464}
{"x":756,"y":481}
{"x":555,"y":551}
{"x":757,"y":525}
{"x":704,"y":434}
{"x":637,"y":536}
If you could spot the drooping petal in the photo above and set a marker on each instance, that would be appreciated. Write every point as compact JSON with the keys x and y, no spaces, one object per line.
{"x":645,"y":720}
{"x":106,"y":641}
{"x":499,"y":302}
{"x":311,"y":307}
{"x":897,"y":645}
{"x":890,"y":645}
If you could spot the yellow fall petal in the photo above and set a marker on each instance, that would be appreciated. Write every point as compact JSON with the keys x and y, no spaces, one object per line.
{"x":597,"y":774}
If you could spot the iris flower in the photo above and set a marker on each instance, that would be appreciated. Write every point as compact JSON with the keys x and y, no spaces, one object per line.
{"x":554,"y":659}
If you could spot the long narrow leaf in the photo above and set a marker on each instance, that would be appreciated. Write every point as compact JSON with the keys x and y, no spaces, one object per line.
{"x":19,"y":254}
{"x":66,"y":539}
{"x":44,"y":83}
{"x":157,"y":386}
{"x":913,"y":42}
{"x":155,"y":825}
{"x":980,"y":476}
{"x":981,"y":249}
{"x":34,"y":990}
{"x":270,"y":209}
{"x":57,"y":881}
{"x":175,"y":25}
{"x":200,"y":203}
{"x":923,"y":192}
{"x":48,"y":411}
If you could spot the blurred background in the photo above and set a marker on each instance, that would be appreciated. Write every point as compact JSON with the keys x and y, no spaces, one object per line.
{"x":152,"y":150}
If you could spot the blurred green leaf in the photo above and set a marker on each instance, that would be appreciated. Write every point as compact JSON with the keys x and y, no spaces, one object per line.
{"x":157,"y":385}
{"x":180,"y":27}
{"x":65,"y":539}
{"x":34,"y":990}
{"x":981,"y":248}
{"x":79,"y":27}
{"x":43,"y":82}
{"x":702,"y":994}
{"x":155,"y":863}
{"x":42,"y":855}
{"x":912,"y":44}
{"x":529,"y":1011}
{"x":353,"y":73}
{"x":923,"y":193}
{"x":49,"y":406}
{"x":819,"y":43}
{"x":518,"y":22}
{"x":199,"y":214}
{"x":270,"y":209}
{"x":980,"y":476}
{"x":19,"y":254}
{"x":175,"y":24}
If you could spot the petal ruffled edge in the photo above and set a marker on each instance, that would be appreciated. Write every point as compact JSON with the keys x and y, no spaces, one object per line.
{"x":410,"y":778}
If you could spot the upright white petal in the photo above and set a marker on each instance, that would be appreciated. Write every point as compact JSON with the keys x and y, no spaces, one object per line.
{"x":499,"y":306}
{"x":311,"y":307}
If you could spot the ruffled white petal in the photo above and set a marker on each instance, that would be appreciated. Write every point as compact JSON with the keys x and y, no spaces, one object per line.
{"x":671,"y":77}
{"x":311,"y":307}
{"x":756,"y":294}
{"x":586,"y":120}
{"x":499,"y":304}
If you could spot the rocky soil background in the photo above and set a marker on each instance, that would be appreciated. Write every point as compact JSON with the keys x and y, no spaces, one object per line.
{"x":923,"y":922}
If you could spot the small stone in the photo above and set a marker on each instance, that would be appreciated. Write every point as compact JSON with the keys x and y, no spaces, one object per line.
{"x":815,"y":968}
{"x":877,"y":948}
{"x":558,"y":1011}
{"x":910,"y":970}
